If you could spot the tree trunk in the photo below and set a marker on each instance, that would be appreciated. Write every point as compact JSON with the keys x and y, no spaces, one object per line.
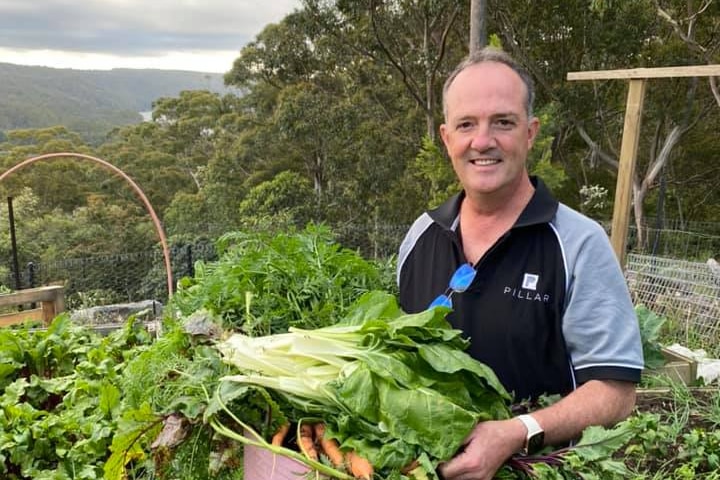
{"x":478,"y":25}
{"x":641,"y":186}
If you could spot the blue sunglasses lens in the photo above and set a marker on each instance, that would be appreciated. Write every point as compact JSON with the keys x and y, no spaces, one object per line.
{"x":441,"y":301}
{"x":459,"y":282}
{"x":462,"y":278}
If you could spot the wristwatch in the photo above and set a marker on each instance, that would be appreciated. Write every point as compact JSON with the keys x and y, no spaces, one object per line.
{"x":535,"y":438}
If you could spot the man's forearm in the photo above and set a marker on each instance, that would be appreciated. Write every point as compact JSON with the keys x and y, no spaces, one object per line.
{"x":597,"y":402}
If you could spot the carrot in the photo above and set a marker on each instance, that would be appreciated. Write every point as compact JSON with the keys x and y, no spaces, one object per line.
{"x":410,"y":467}
{"x":360,"y":467}
{"x":279,"y":436}
{"x":329,"y":445}
{"x":306,"y":442}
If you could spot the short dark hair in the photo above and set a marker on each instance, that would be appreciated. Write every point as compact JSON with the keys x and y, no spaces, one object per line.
{"x":492,"y":54}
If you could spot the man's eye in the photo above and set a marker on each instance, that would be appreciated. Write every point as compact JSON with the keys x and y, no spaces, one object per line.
{"x":464,"y":125}
{"x":504,"y":123}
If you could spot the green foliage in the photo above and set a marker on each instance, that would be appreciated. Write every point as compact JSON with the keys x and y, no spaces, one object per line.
{"x":60,"y":399}
{"x":434,"y":170}
{"x":540,"y":159}
{"x":283,"y":202}
{"x":264,"y":282}
{"x":169,"y":380}
{"x":674,"y":436}
{"x":650,"y":330}
{"x":394,"y":386}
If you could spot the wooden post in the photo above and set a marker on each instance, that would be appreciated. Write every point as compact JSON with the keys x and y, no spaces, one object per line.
{"x":631,"y":135}
{"x":626,"y":169}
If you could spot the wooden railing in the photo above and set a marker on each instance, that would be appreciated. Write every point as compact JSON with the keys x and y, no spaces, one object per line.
{"x":51,"y":299}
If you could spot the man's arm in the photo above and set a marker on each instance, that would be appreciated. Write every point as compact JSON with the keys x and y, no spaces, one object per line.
{"x":597,"y":402}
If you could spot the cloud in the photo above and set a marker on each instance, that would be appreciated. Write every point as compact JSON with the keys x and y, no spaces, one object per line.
{"x":136,"y":27}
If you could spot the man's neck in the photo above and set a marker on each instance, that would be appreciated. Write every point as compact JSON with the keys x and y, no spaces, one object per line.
{"x":484,"y":219}
{"x":509,"y":202}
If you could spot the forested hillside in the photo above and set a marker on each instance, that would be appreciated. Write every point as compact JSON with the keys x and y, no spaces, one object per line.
{"x":338,"y":124}
{"x":90,"y":102}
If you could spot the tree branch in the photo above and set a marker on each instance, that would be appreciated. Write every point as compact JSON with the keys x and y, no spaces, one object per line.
{"x":406,"y":79}
{"x":596,"y":149}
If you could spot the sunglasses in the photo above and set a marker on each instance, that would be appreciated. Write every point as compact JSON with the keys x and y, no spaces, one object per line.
{"x":459,"y":282}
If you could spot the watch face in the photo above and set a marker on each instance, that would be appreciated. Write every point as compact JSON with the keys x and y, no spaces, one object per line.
{"x":535,"y":443}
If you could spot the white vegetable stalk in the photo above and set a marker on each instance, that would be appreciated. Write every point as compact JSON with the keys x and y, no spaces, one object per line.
{"x":299,"y":364}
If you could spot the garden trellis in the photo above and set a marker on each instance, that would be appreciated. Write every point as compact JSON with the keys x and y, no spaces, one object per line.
{"x":631,"y":134}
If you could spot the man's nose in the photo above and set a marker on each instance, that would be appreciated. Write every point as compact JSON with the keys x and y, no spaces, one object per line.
{"x":482,"y":138}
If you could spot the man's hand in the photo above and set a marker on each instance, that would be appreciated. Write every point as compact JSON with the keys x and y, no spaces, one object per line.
{"x":487,"y":447}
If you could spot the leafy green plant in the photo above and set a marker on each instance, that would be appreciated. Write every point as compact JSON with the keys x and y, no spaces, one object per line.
{"x":60,"y":398}
{"x":264,"y":283}
{"x":391,"y":387}
{"x":650,"y":329}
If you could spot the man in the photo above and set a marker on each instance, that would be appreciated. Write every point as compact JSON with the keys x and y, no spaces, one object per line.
{"x":548,"y":308}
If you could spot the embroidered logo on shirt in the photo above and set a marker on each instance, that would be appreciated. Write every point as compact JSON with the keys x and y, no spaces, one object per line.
{"x":530,"y":281}
{"x":528,"y":291}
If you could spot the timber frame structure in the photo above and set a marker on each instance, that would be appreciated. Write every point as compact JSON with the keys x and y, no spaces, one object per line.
{"x":638,"y":78}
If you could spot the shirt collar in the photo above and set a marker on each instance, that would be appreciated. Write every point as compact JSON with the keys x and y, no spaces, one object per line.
{"x":540,"y":209}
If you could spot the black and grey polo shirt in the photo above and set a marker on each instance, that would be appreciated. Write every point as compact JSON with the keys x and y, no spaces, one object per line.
{"x":548,"y":309}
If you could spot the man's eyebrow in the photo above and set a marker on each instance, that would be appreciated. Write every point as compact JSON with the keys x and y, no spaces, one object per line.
{"x":505,"y":115}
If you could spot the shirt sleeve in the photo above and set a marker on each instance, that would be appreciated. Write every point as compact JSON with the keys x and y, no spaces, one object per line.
{"x":600,"y":326}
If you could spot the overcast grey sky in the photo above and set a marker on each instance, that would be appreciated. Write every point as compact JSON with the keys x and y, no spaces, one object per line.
{"x":203,"y":35}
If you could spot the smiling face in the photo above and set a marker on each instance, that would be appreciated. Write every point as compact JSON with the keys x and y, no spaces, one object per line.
{"x":487,"y":131}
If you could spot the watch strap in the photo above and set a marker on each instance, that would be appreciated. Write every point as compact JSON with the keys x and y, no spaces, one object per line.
{"x":534,"y":436}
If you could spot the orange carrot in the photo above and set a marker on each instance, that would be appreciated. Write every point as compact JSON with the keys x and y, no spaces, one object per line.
{"x":410,"y":467}
{"x":360,"y":467}
{"x":305,"y":441}
{"x":329,"y":446}
{"x":279,"y":436}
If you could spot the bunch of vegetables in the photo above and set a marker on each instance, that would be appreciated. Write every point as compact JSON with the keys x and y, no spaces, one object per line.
{"x":397,"y":390}
{"x":394,"y":389}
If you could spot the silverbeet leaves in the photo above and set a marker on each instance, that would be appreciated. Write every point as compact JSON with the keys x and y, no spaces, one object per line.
{"x":392,"y":386}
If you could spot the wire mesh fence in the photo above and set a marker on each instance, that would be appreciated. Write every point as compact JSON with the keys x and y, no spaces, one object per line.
{"x":686,"y":293}
{"x":119,"y":278}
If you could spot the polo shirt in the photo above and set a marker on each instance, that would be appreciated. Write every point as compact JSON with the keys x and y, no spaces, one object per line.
{"x":548,"y":309}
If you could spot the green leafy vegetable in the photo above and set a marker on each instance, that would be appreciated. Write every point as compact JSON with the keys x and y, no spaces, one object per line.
{"x":391,"y":386}
{"x":264,"y":283}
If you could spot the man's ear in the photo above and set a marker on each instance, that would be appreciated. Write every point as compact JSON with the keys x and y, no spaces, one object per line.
{"x":533,"y":130}
{"x":444,"y":133}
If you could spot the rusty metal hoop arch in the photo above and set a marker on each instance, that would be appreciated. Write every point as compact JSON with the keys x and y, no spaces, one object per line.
{"x":138,"y":191}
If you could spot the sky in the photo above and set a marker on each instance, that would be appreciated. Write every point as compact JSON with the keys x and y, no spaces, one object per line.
{"x":197,"y":35}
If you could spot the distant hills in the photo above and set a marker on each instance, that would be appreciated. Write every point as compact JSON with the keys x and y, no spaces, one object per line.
{"x":90,"y":102}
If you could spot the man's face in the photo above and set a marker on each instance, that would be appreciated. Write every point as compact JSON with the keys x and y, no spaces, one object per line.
{"x":487,"y":131}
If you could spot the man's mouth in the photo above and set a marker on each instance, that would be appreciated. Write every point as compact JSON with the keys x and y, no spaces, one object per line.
{"x":481,"y":162}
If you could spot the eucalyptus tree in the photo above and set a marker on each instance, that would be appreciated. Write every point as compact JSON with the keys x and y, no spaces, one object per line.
{"x":415,"y":42}
{"x":318,"y":107}
{"x":58,"y":184}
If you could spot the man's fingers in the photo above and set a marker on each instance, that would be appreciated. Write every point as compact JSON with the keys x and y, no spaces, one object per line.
{"x":454,"y":468}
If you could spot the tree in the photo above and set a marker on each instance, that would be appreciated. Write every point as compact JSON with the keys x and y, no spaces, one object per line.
{"x":60,"y":183}
{"x":478,"y":27}
{"x":279,"y":204}
{"x":408,"y":39}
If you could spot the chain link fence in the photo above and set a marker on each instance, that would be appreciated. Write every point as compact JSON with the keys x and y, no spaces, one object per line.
{"x":121,"y":278}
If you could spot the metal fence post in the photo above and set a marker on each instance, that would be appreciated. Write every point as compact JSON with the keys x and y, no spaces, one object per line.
{"x":31,"y":274}
{"x":189,"y":257}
